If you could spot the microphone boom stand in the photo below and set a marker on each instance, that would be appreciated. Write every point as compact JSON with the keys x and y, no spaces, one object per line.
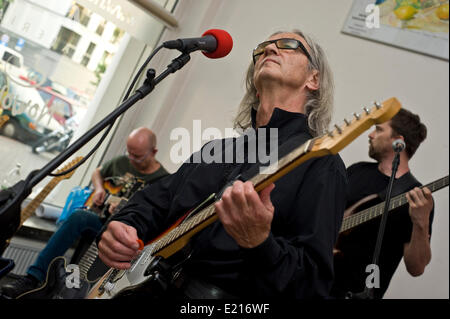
{"x":11,"y":198}
{"x":368,"y":293}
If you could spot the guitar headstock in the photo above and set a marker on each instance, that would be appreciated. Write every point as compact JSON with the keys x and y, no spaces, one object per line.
{"x":68,"y":166}
{"x":336,"y":140}
{"x":3,"y":119}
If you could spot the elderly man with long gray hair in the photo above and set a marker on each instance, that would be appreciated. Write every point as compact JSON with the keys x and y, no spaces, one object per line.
{"x":276,"y":242}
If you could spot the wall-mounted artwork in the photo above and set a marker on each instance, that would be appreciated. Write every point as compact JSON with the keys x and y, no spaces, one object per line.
{"x":416,"y":25}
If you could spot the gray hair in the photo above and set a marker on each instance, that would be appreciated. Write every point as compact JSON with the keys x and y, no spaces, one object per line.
{"x":319,"y":104}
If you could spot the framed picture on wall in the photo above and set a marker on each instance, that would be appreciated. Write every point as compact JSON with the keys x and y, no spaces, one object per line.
{"x":416,"y":25}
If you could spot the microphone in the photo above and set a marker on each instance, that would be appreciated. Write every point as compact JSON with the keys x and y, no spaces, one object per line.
{"x":398,"y":145}
{"x":214,"y":44}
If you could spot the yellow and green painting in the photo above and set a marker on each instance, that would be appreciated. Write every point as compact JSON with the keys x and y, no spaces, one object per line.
{"x":426,"y":15}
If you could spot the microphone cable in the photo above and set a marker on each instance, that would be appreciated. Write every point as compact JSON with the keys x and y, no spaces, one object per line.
{"x":108,"y":128}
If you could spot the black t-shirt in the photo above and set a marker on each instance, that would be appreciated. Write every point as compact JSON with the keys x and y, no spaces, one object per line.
{"x":121,"y":165}
{"x":358,"y":245}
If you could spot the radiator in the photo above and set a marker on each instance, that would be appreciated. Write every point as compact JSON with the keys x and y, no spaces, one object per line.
{"x":23,"y":255}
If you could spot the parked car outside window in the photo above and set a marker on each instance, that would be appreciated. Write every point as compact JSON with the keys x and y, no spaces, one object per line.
{"x":29,"y":117}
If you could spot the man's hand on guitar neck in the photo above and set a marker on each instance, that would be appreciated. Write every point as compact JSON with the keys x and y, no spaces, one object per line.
{"x":245,"y":214}
{"x":420,"y":206}
{"x":118,"y":245}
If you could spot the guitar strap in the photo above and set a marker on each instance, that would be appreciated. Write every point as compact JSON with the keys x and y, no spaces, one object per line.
{"x":401,"y":185}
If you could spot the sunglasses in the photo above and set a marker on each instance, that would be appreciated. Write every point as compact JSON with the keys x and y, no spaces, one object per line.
{"x":284,"y":43}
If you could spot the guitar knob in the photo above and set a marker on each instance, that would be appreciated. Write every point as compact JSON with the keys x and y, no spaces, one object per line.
{"x":109,"y":286}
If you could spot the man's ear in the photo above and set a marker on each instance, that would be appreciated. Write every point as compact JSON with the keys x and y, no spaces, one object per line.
{"x":398,"y":136}
{"x":313,"y":82}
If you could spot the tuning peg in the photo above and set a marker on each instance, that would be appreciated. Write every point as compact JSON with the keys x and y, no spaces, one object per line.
{"x":338,"y":128}
{"x":329,"y":133}
{"x":366,"y":110}
{"x":357,"y":116}
{"x":377,"y":105}
{"x":347,"y":122}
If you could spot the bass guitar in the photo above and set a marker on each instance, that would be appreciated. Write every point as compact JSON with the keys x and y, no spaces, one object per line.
{"x":356,"y":219}
{"x":146,"y":268}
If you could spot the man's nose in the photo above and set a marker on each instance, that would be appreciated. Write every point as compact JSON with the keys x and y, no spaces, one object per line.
{"x":271,"y":49}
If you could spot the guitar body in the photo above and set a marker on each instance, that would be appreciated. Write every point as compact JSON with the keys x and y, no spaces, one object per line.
{"x":110,"y":189}
{"x":360,"y":206}
{"x":55,"y":285}
{"x":96,"y":271}
{"x":150,"y":275}
{"x":137,"y":280}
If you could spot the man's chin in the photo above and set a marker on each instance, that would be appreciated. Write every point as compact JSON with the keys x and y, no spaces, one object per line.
{"x":374,"y":155}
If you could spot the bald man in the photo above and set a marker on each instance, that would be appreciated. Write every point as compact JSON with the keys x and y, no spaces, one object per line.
{"x":139,"y":161}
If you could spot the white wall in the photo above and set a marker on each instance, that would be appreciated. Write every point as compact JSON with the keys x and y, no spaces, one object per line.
{"x":365,"y":71}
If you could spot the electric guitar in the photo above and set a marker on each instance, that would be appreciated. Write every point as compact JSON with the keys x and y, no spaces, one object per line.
{"x":146,"y":269}
{"x":123,"y":186}
{"x":365,"y":215}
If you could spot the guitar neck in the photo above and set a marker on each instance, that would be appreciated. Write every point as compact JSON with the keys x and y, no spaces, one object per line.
{"x":397,"y":201}
{"x":35,"y":202}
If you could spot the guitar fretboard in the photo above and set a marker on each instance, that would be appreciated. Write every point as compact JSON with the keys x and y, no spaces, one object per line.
{"x":375,"y":211}
{"x":35,"y":202}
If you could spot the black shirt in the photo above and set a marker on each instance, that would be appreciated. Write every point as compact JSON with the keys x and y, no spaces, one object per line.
{"x":295,"y":260}
{"x":358,"y":246}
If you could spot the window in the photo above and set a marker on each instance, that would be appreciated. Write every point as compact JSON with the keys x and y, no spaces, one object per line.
{"x":66,"y":42}
{"x":87,"y":55}
{"x":101,"y":28}
{"x":65,"y":50}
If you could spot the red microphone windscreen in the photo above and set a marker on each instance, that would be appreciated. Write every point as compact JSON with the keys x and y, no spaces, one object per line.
{"x":224,"y":43}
